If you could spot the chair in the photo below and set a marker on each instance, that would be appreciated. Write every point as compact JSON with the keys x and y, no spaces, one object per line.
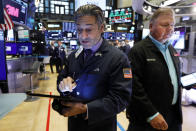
{"x":33,"y":70}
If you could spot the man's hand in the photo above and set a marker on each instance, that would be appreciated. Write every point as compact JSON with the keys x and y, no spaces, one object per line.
{"x":73,"y":108}
{"x":67,"y":84}
{"x":159,"y":123}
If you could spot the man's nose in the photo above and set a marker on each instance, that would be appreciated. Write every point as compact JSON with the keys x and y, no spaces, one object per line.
{"x":170,"y":27}
{"x":84,"y":34}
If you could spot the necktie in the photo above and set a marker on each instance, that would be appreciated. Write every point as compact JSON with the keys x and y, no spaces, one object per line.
{"x":87,"y":54}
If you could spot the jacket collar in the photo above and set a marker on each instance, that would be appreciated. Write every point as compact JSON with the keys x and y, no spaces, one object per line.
{"x":103,"y":46}
{"x":101,"y":49}
{"x":158,"y":44}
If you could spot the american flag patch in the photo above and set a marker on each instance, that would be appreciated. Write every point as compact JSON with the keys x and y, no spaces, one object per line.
{"x":127,"y":72}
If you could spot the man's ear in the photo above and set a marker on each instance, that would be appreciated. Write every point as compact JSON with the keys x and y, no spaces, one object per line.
{"x":150,"y":26}
{"x":102,"y":27}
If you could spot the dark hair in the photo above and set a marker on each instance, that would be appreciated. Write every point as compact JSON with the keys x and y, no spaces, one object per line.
{"x":90,"y":10}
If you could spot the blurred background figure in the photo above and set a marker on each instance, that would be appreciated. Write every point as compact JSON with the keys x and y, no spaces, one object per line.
{"x":61,"y":57}
{"x":127,"y":47}
{"x":53,"y":58}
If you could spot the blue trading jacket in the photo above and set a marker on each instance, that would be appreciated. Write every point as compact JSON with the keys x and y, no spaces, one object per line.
{"x":102,"y":82}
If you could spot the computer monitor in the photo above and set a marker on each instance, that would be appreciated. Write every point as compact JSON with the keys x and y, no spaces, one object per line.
{"x":109,"y":35}
{"x":145,"y":33}
{"x":11,"y":48}
{"x":189,"y":80}
{"x":24,"y":48}
{"x":17,"y":10}
{"x":106,"y":14}
{"x":130,"y":36}
{"x":69,"y":35}
{"x":73,"y":42}
{"x":123,"y":15}
{"x":178,"y":38}
{"x":23,"y":35}
{"x":100,"y":3}
{"x":1,"y":35}
{"x":186,"y":18}
{"x":10,"y":35}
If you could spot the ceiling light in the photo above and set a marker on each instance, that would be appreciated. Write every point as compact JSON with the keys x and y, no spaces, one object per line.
{"x":194,"y":9}
{"x":168,"y":2}
{"x":177,"y":10}
{"x":149,"y":8}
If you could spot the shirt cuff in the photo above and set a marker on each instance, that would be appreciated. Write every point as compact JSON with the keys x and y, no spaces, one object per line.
{"x":152,"y":117}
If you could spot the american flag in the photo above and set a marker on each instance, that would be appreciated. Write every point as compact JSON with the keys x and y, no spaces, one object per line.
{"x":7,"y":20}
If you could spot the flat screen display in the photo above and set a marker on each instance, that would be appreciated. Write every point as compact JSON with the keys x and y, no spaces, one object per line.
{"x":23,"y":35}
{"x":122,"y":28}
{"x":73,"y":42}
{"x":11,"y":48}
{"x":145,"y":33}
{"x":109,"y":35}
{"x":100,"y":3}
{"x":17,"y":9}
{"x":130,"y":36}
{"x":24,"y":48}
{"x":10,"y":35}
{"x":188,"y":80}
{"x":121,"y":35}
{"x":178,"y":38}
{"x":1,"y":35}
{"x":69,"y":35}
{"x":30,"y":14}
{"x":54,"y":34}
{"x":106,"y":14}
{"x":185,"y":18}
{"x":123,"y":15}
{"x":3,"y":75}
{"x":69,"y":27}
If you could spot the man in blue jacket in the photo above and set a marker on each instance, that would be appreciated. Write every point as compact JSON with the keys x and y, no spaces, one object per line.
{"x":156,"y":100}
{"x":97,"y":73}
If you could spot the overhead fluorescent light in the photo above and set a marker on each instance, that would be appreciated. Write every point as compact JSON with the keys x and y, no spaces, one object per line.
{"x":53,"y":25}
{"x":168,"y":2}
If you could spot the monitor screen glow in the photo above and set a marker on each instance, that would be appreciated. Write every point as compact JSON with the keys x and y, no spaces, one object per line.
{"x":130,"y":36}
{"x":123,"y":15}
{"x":109,"y":35}
{"x":11,"y":48}
{"x":100,"y":3}
{"x":185,"y":18}
{"x":23,"y":35}
{"x":189,"y":79}
{"x":69,"y":35}
{"x":178,"y":38}
{"x":17,"y":9}
{"x":145,"y":33}
{"x":24,"y":48}
{"x":10,"y":35}
{"x":73,"y":42}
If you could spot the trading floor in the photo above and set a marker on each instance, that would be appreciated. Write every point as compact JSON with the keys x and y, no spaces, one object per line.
{"x":39,"y":116}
